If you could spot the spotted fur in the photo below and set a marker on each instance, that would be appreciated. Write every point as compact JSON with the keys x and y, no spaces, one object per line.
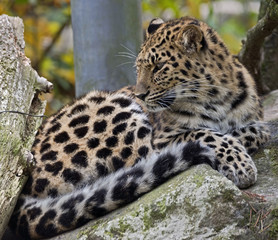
{"x":195,"y":103}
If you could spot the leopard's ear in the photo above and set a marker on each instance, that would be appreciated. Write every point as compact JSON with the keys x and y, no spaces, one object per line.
{"x":154,"y":25}
{"x":190,"y":38}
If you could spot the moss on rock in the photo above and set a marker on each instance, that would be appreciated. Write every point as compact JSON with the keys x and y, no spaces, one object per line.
{"x":197,"y":203}
{"x":273,"y":230}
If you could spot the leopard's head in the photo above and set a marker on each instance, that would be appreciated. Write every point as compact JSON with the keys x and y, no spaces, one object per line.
{"x":181,"y":61}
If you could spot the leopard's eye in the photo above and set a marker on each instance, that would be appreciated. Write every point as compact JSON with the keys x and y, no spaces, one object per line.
{"x":158,"y":66}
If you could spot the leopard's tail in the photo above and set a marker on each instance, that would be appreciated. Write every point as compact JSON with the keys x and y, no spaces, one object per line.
{"x":43,"y":218}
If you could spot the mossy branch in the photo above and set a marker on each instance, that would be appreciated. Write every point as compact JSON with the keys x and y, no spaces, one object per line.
{"x":19,"y":88}
{"x":250,"y":53}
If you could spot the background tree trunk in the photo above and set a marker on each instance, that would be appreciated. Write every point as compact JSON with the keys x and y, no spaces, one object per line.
{"x":107,"y":37}
{"x":269,"y":61}
{"x":19,"y":88}
{"x":250,"y":54}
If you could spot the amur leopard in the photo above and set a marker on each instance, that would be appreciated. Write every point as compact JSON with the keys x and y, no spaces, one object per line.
{"x":193,"y":103}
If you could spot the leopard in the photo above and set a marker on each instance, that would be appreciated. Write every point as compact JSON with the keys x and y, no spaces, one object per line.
{"x":193,"y":103}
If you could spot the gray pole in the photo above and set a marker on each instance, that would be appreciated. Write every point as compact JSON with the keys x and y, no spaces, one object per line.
{"x":103,"y":30}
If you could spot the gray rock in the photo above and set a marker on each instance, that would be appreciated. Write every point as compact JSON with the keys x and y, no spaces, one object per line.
{"x":198,"y":203}
{"x":271,"y":106}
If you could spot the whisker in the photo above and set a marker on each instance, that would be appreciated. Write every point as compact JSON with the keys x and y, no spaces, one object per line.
{"x":162,"y":104}
{"x":128,"y":49}
{"x":125,"y":63}
{"x":127,"y":56}
{"x":127,"y":53}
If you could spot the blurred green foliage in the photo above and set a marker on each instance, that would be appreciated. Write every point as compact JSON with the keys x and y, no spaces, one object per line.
{"x":231,"y":19}
{"x":47,"y":33}
{"x":49,"y":41}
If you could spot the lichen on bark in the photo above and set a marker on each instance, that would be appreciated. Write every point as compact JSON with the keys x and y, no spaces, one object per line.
{"x":19,"y":87}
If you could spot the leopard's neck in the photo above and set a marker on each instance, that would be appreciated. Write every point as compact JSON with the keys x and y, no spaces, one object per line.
{"x":215,"y":116}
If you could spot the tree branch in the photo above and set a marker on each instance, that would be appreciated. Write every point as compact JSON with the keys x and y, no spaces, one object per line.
{"x":250,"y":52}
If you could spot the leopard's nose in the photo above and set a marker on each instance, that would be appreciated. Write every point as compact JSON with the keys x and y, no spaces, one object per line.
{"x":142,"y":96}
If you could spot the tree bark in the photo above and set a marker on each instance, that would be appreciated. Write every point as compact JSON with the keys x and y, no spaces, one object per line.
{"x":250,"y":54}
{"x":19,"y":107}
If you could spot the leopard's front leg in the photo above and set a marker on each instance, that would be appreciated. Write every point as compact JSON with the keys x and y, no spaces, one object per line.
{"x":252,"y":136}
{"x":232,"y":159}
